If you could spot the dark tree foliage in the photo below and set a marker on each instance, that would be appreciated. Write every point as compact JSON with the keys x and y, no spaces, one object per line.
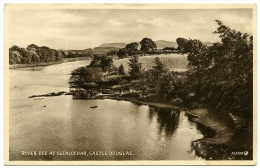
{"x":181,"y":44}
{"x":147,"y":45}
{"x":122,"y":53}
{"x":71,"y":55}
{"x":95,"y":61}
{"x":83,"y":75}
{"x":135,"y":67}
{"x":104,"y":62}
{"x":132,"y":48}
{"x":34,"y":55}
{"x":159,"y":68}
{"x":112,"y":53}
{"x":221,"y":76}
{"x":121,"y":70}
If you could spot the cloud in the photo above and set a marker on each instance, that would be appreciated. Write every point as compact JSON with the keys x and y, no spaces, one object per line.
{"x":115,"y":22}
{"x":88,"y":28}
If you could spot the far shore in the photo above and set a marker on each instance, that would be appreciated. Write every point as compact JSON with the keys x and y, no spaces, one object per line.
{"x":18,"y":66}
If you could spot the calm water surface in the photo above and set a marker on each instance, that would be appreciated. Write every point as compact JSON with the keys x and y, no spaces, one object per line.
{"x":116,"y":130}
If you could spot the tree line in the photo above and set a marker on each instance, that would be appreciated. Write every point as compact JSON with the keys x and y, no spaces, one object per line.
{"x":34,"y":54}
{"x":147,"y":46}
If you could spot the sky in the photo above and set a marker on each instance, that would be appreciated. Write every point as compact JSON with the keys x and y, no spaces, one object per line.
{"x":88,"y":28}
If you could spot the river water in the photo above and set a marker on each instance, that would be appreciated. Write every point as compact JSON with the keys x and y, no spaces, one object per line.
{"x":69,"y":129}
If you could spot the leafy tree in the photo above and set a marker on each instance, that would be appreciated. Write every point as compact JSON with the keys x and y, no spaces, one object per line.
{"x":222,"y":75}
{"x":14,"y":57}
{"x":122,"y":53}
{"x":132,"y":48}
{"x":26,"y":59}
{"x":59,"y":55}
{"x":86,"y":75}
{"x":159,"y":68}
{"x":154,"y":75}
{"x":135,"y":67}
{"x":106,"y":63}
{"x":32,"y":46}
{"x":95,"y":61}
{"x":15,"y":48}
{"x":181,"y":44}
{"x":111,"y":53}
{"x":167,"y":90}
{"x":34,"y":54}
{"x":103,"y":62}
{"x":147,"y":45}
{"x":121,"y":70}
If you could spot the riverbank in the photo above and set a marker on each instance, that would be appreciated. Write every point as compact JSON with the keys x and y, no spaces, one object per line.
{"x":150,"y":103}
{"x":222,"y":133}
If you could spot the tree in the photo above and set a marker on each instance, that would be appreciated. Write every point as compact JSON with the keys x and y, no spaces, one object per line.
{"x":135,"y":67}
{"x":222,"y":77}
{"x":132,"y":48}
{"x":45,"y":53}
{"x":155,"y":74}
{"x":181,"y":44}
{"x":34,"y":54}
{"x":32,"y":46}
{"x":26,"y":57}
{"x":122,"y":53}
{"x":111,"y":53}
{"x":121,"y":70}
{"x":147,"y":45}
{"x":14,"y":57}
{"x":106,"y":63}
{"x":86,"y":75}
{"x":59,"y":55}
{"x":103,"y":62}
{"x":159,"y":68}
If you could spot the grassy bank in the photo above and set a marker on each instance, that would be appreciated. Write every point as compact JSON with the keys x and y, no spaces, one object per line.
{"x":223,"y":132}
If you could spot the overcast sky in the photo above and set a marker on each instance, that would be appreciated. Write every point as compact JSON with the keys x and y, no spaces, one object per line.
{"x":88,"y":28}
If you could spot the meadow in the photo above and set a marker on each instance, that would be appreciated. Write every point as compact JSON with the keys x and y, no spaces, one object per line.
{"x":175,"y":62}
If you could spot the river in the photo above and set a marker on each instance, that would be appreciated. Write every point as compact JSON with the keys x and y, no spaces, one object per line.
{"x":115,"y":130}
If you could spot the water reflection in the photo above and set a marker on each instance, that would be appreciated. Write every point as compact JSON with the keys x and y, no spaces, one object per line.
{"x":167,"y":119}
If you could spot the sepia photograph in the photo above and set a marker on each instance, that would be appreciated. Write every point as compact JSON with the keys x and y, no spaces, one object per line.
{"x":130,"y":84}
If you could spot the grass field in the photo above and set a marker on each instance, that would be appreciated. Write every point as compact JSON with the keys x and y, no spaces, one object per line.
{"x":175,"y":62}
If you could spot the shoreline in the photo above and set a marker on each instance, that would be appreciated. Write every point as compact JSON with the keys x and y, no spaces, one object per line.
{"x":222,"y":133}
{"x":150,"y":103}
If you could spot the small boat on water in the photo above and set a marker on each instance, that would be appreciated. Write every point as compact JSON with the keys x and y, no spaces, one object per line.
{"x":93,"y":106}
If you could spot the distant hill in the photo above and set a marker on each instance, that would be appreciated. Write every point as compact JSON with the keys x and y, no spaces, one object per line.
{"x":162,"y":44}
{"x":115,"y":45}
{"x":94,"y":51}
{"x":103,"y":50}
{"x":107,"y":47}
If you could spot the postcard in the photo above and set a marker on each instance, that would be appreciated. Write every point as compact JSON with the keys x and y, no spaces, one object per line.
{"x":130,"y":84}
